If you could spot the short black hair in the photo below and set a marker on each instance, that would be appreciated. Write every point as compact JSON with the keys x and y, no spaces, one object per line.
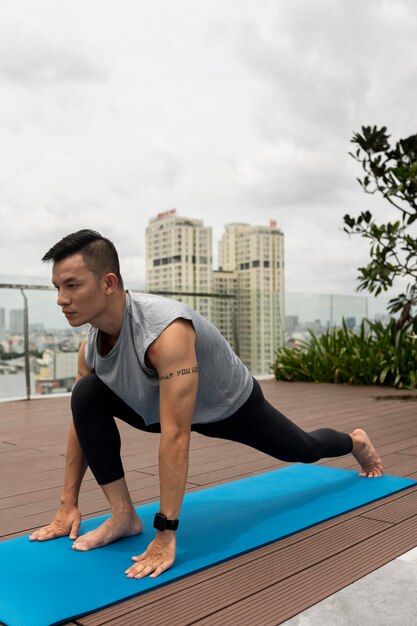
{"x":98,"y":252}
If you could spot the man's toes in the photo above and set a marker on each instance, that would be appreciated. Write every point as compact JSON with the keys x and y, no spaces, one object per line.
{"x":81,"y":546}
{"x":371,"y":473}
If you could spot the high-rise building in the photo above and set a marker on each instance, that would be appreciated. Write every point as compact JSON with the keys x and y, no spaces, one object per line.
{"x":224,"y":305}
{"x":16,"y":321}
{"x":2,"y":320}
{"x":244,"y":298}
{"x":291,"y":323}
{"x":351,"y":323}
{"x":179,"y":259}
{"x":256,"y":255}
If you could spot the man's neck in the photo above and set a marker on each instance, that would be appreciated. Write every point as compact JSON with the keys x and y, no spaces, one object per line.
{"x":110,"y":322}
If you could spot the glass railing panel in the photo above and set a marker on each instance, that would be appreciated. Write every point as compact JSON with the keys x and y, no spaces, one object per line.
{"x":255,"y":323}
{"x":52,"y":344}
{"x":12,"y":359}
{"x":319,"y":312}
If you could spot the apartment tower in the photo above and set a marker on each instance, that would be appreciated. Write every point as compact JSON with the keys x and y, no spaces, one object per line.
{"x":255,"y":255}
{"x":179,"y":259}
{"x":224,"y":305}
{"x":2,"y":320}
{"x":16,"y":321}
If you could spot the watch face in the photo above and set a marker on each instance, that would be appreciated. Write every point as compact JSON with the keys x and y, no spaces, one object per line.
{"x":162,"y":523}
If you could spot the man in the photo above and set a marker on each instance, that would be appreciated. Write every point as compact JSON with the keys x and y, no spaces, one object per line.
{"x":160,"y":366}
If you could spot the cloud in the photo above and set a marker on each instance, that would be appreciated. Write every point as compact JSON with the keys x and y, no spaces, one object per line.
{"x":289,"y":175}
{"x":31,"y":56}
{"x":319,"y":70}
{"x":166,"y":165}
{"x":228,"y":111}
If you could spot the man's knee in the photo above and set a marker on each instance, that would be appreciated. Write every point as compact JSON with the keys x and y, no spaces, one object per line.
{"x":85,"y":391}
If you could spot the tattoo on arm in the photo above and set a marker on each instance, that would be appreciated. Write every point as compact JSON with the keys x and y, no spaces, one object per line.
{"x":181,"y":372}
{"x":80,"y":374}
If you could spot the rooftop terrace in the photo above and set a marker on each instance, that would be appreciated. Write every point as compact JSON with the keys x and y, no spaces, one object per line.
{"x":264,"y":587}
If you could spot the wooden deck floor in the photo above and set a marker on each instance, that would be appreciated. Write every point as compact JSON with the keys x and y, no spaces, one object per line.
{"x":268,"y":585}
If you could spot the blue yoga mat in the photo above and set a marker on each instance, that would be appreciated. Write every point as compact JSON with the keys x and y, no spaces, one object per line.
{"x":48,"y":583}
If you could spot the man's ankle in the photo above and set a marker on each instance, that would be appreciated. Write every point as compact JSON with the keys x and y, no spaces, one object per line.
{"x":123,"y":509}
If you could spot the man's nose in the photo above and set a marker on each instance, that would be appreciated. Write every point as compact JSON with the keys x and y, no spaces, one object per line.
{"x":62,"y":298}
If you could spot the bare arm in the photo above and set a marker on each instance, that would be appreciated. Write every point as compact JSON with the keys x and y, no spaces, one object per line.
{"x":178,"y":392}
{"x":75,"y":463}
{"x":67,"y":520}
{"x":173,"y":356}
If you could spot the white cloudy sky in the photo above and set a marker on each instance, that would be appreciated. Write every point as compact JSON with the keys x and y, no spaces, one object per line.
{"x":228,"y":110}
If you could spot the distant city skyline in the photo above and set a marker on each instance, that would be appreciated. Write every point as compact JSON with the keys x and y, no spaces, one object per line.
{"x":43,"y":307}
{"x":306,"y":305}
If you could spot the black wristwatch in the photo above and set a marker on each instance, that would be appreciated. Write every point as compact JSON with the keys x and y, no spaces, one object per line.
{"x":161,"y":522}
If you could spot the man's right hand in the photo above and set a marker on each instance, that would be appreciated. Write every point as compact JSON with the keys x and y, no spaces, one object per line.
{"x":66,"y":522}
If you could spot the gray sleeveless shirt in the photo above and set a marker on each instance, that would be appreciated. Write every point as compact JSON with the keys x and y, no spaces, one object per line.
{"x":224,"y":384}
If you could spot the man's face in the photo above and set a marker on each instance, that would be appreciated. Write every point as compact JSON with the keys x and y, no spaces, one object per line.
{"x":80,"y":296}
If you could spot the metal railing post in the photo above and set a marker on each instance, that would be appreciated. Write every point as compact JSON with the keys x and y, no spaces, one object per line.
{"x":26,"y":342}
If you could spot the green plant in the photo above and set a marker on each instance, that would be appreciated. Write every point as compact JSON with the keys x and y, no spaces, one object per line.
{"x":369,"y":357}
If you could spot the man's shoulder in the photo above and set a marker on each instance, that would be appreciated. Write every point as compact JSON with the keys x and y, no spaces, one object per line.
{"x":153,"y":306}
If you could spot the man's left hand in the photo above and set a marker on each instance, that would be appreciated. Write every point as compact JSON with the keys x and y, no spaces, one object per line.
{"x":158,"y":557}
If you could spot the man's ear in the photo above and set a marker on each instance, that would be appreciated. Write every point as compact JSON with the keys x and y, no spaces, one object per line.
{"x":111,"y":282}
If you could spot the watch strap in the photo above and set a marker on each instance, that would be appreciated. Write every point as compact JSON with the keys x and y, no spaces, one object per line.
{"x":161,"y":522}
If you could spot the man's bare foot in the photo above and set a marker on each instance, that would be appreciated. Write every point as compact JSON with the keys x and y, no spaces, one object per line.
{"x":366,"y":455}
{"x":123,"y":525}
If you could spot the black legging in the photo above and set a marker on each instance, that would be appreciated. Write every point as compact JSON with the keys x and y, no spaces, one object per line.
{"x":256,"y":424}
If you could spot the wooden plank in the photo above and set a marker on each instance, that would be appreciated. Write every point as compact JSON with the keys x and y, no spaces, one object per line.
{"x":397,"y":511}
